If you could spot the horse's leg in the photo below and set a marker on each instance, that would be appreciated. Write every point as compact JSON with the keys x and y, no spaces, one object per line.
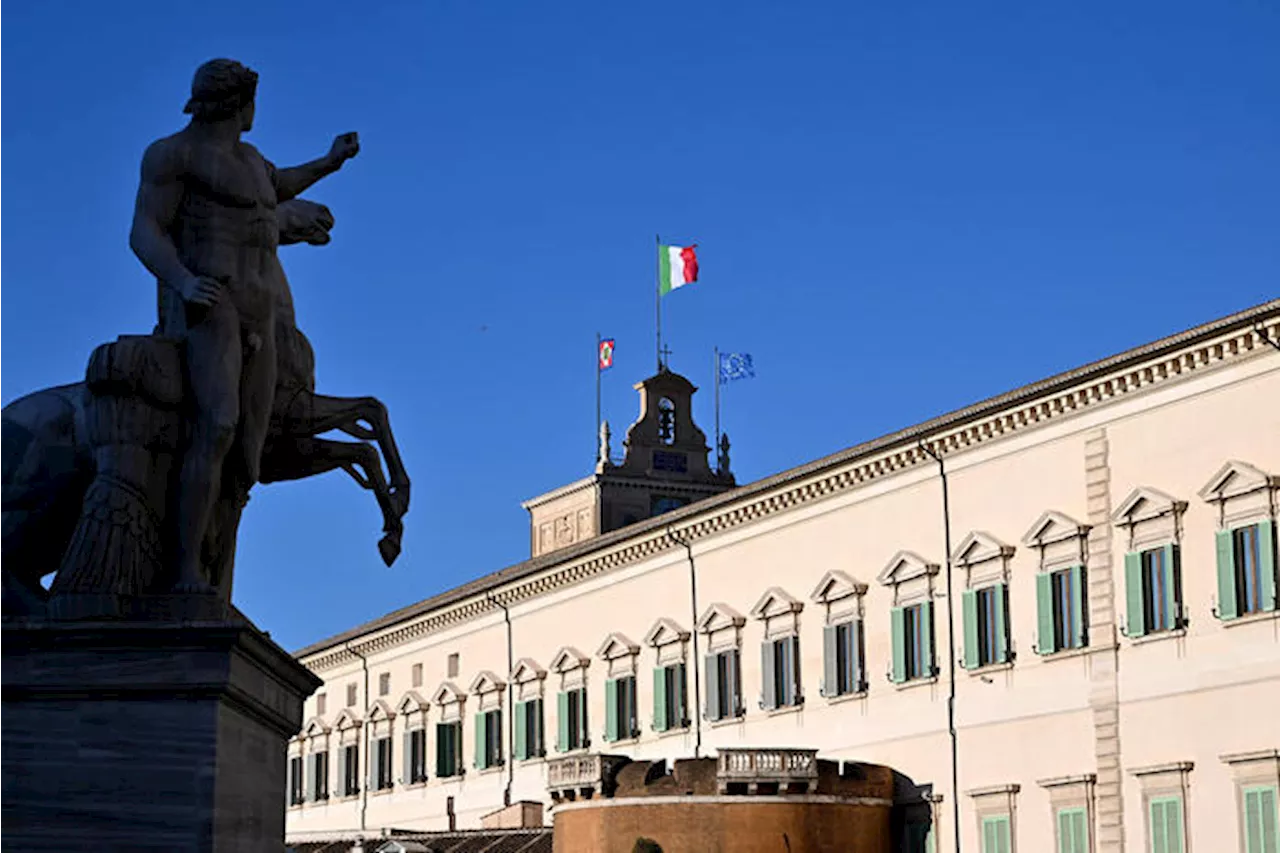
{"x":345,"y":414}
{"x":310,"y":457}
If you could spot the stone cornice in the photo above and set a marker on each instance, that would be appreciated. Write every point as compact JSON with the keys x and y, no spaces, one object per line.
{"x":1213,"y":345}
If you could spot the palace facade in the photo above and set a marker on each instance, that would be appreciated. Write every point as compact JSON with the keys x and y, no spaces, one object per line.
{"x":1077,"y":577}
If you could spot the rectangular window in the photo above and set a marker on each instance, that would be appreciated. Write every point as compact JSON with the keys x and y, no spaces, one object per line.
{"x":351,"y":695}
{"x":384,"y":684}
{"x":380,"y":773}
{"x":1261,"y":834}
{"x":724,"y":685}
{"x":1153,"y":590}
{"x":669,"y":698}
{"x":1166,"y":825}
{"x":448,"y":750}
{"x":571,"y":720}
{"x":416,"y":752}
{"x":349,"y":759}
{"x":295,"y":780}
{"x":1073,"y":831}
{"x":489,"y":739}
{"x":415,"y":675}
{"x":996,"y":835}
{"x":319,"y":772}
{"x":842,"y":663}
{"x":1061,"y":611}
{"x":912,"y":629}
{"x":986,"y":639}
{"x":320,"y":704}
{"x":453,"y":665}
{"x":620,"y":719}
{"x":780,"y":661}
{"x":529,"y":734}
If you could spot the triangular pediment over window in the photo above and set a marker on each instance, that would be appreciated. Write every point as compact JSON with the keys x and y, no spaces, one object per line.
{"x":1235,"y":479}
{"x":1053,"y":526}
{"x":665,"y":632}
{"x":447,"y":694}
{"x":775,"y":602}
{"x":719,"y":616}
{"x":347,"y":719}
{"x":527,"y":669}
{"x":569,"y":659}
{"x":616,"y":646}
{"x":905,"y":566}
{"x":315,"y":727}
{"x":487,"y":682}
{"x":380,"y":710}
{"x":411,"y":702}
{"x":1145,"y":503}
{"x":836,"y":585}
{"x":978,"y":547}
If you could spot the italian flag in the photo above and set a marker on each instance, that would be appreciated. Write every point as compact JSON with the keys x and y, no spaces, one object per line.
{"x":677,"y":266}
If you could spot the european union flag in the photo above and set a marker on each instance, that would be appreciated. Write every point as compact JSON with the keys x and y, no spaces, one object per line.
{"x":735,"y":365}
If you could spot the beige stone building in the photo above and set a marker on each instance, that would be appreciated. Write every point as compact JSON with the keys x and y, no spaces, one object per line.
{"x":1087,"y":565}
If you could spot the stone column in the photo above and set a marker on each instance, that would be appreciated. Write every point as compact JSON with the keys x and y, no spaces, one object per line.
{"x":159,"y":735}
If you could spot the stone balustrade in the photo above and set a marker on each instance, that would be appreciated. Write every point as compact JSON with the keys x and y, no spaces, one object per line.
{"x":583,"y":776}
{"x":790,"y":770}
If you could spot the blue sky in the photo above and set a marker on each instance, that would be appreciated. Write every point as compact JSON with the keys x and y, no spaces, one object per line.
{"x":901,"y":208}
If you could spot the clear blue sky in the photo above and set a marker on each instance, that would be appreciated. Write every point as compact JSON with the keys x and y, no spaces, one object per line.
{"x":901,"y":208}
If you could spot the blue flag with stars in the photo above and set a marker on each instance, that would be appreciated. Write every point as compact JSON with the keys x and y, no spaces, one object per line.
{"x":736,"y":365}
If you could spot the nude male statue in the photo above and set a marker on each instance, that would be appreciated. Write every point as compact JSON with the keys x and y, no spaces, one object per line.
{"x":205,"y":225}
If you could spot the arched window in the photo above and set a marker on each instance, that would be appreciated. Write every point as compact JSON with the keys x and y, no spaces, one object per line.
{"x":666,"y":421}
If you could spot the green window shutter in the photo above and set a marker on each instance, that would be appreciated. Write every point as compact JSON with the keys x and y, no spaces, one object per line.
{"x":611,"y":693}
{"x":969,"y":607}
{"x":562,"y":721}
{"x":660,"y":699}
{"x":1135,"y":626}
{"x":1077,"y":603}
{"x":898,"y":630}
{"x":1227,"y":608}
{"x":1072,"y":832}
{"x":1166,"y":825}
{"x":712,"y":669}
{"x":995,"y":835}
{"x":926,"y":637}
{"x":481,"y":733}
{"x":1260,"y":820}
{"x":1172,"y":574}
{"x":521,"y":720}
{"x":682,"y":692}
{"x":830,"y":657}
{"x":1044,"y":613}
{"x":1002,"y":623}
{"x":769,"y":693}
{"x":1267,"y":560}
{"x":406,"y":758}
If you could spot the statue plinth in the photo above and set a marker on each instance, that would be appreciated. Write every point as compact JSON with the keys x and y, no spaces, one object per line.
{"x":155,"y":734}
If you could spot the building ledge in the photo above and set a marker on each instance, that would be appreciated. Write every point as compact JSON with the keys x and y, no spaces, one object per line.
{"x":1250,"y":757}
{"x":1251,"y":618}
{"x":727,"y":721}
{"x":1064,"y":781}
{"x":989,"y":669}
{"x":1167,"y":767}
{"x":847,"y":697}
{"x":784,"y":710}
{"x":992,"y":790}
{"x":916,"y":683}
{"x":1158,"y":636}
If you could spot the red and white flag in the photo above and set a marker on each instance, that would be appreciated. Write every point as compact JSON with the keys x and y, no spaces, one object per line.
{"x":606,"y":354}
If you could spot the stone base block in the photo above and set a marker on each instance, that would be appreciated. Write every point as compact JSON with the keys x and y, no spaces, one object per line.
{"x":147,"y":736}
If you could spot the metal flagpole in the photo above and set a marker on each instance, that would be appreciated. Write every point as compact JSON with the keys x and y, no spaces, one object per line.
{"x":596,"y":431}
{"x":657,"y":294}
{"x":716,"y":373}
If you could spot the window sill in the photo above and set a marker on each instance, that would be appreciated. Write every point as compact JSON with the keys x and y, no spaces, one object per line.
{"x":1251,"y":618}
{"x":1157,"y":636}
{"x":846,"y":697}
{"x":916,"y":682}
{"x":988,"y":669}
{"x":784,"y":710}
{"x":489,"y":771}
{"x":410,"y":786}
{"x":1074,"y":652}
{"x":532,"y":759}
{"x":457,"y":777}
{"x":623,"y":741}
{"x":674,"y":731}
{"x":311,"y":804}
{"x":346,"y":798}
{"x":727,"y":721}
{"x":380,"y":792}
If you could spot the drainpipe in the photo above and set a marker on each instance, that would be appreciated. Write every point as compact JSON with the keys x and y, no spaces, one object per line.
{"x":951,"y":646}
{"x":364,"y":750}
{"x":511,"y":706}
{"x":696,"y":710}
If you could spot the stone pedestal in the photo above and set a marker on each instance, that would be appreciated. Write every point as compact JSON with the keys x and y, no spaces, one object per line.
{"x":147,"y":735}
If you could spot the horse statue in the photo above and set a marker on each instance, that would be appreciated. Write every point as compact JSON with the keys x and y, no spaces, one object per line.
{"x":49,"y":463}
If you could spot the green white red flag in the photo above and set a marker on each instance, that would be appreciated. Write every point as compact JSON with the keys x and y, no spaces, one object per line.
{"x":677,"y":266}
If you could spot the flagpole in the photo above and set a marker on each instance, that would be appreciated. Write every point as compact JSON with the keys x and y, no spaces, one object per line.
{"x":596,"y":431}
{"x":715,"y":357}
{"x":657,"y":294}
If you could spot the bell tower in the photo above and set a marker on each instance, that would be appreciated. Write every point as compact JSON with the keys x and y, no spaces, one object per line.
{"x":664,"y":466}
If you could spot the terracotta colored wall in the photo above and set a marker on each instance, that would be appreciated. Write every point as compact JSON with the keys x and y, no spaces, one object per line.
{"x":714,"y":826}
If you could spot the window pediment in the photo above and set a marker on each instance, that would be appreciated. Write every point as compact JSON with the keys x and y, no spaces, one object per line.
{"x":905,"y":566}
{"x":448,"y":694}
{"x":412,"y":702}
{"x":616,"y":645}
{"x":979,"y":547}
{"x":527,"y":670}
{"x":720,"y":616}
{"x":776,"y":602}
{"x":1051,"y":527}
{"x":665,"y":632}
{"x":836,"y":585}
{"x":315,"y":728}
{"x":347,"y":719}
{"x":569,"y":659}
{"x":487,"y":682}
{"x":380,"y":710}
{"x":1235,"y":479}
{"x":1146,"y":504}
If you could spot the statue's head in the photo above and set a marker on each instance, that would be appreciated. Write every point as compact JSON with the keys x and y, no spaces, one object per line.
{"x":223,"y":89}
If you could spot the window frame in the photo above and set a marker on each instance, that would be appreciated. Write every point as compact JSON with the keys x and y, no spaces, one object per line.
{"x":297,"y":781}
{"x":318,"y":769}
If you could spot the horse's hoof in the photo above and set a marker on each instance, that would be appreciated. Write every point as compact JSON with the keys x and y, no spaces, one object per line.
{"x":389,"y":548}
{"x":400,"y":499}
